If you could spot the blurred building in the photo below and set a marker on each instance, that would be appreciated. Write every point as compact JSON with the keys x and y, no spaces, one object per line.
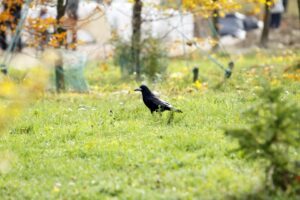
{"x":169,"y":24}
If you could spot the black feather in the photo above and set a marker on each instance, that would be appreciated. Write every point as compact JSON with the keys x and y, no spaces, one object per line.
{"x":153,"y":102}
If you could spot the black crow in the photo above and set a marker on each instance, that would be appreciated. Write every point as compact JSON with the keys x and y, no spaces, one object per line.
{"x":153,"y":102}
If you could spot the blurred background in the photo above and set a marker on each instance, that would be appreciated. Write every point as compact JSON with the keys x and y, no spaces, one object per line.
{"x":98,"y":30}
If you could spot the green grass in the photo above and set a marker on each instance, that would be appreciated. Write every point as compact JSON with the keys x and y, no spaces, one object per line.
{"x":107,"y":145}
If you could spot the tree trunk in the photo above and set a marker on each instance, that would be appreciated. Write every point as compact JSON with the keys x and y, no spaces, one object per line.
{"x":59,"y":71}
{"x":61,"y":9}
{"x":215,"y":31}
{"x":197,"y":25}
{"x":265,"y":33}
{"x":285,"y":5}
{"x":3,"y":42}
{"x":59,"y":78}
{"x":71,"y":10}
{"x":136,"y":36}
{"x":299,"y":9}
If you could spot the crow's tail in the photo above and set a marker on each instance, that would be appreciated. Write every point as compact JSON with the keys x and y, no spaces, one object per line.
{"x":177,"y":110}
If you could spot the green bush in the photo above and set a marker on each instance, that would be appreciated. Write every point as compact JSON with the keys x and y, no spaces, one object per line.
{"x":153,"y":57}
{"x":272,"y":134}
{"x":123,"y":57}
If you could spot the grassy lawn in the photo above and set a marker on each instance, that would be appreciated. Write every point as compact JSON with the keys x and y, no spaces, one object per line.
{"x":106,"y":144}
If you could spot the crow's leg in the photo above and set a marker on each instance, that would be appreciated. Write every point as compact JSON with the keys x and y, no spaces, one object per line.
{"x":159,"y":110}
{"x":171,"y":117}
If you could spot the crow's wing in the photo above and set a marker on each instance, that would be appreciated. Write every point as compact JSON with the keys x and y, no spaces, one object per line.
{"x":160,"y":103}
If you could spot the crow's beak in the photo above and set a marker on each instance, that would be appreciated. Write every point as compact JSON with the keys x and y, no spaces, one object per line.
{"x":138,"y":90}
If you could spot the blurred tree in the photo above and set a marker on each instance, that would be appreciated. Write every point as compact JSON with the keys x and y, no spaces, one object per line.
{"x":9,"y":18}
{"x":215,"y":24}
{"x":265,"y":33}
{"x":37,"y":27}
{"x":299,"y":8}
{"x":69,"y":8}
{"x":61,"y":9}
{"x":272,"y":134}
{"x":72,"y":8}
{"x":136,"y":36}
{"x":59,"y":71}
